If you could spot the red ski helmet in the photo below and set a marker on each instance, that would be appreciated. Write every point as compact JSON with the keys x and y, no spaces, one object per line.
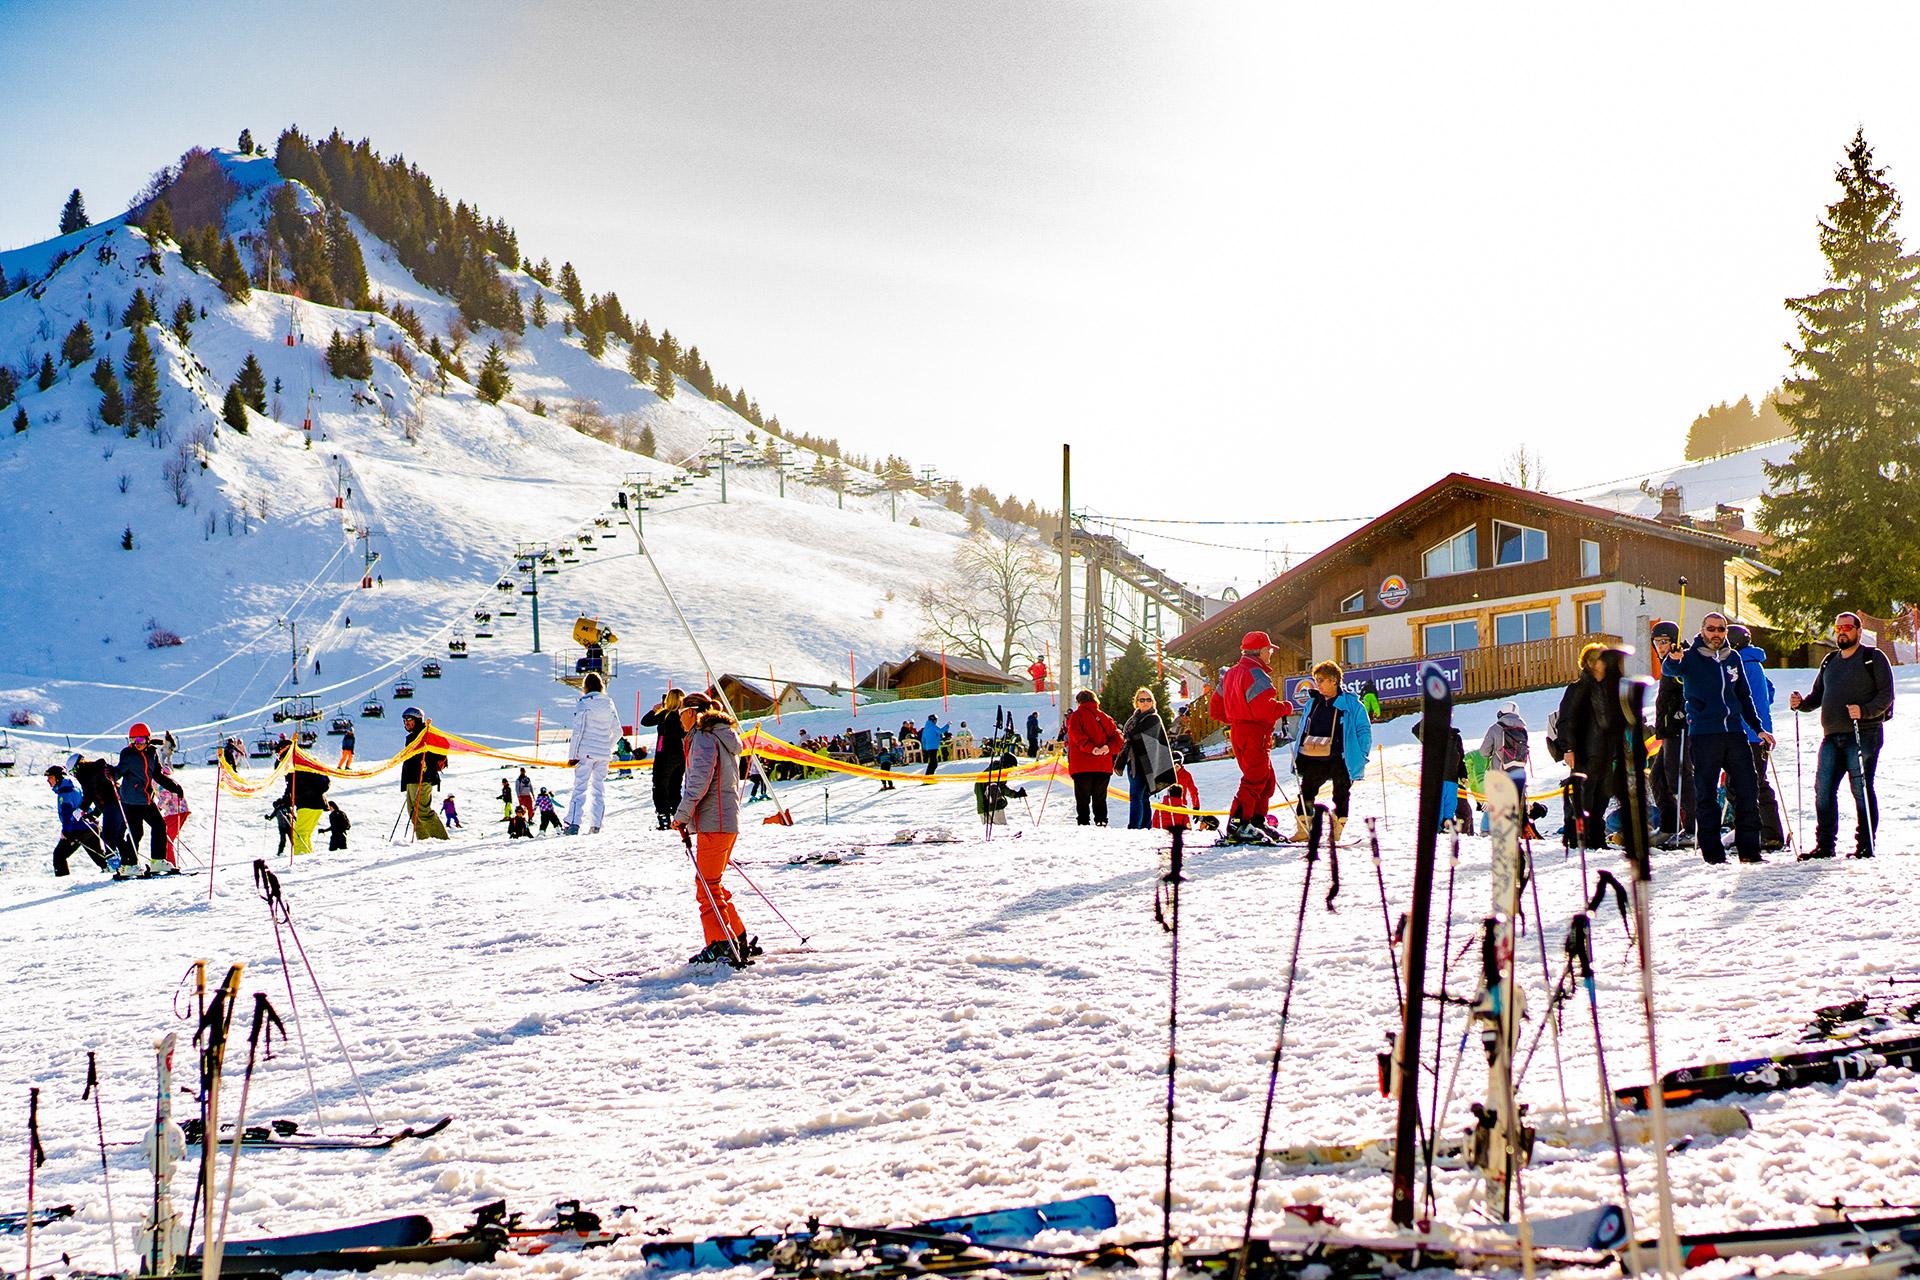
{"x":139,"y":732}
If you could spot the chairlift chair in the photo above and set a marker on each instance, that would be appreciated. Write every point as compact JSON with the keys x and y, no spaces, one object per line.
{"x":264,"y":747}
{"x":339,"y":725}
{"x":482,"y":615}
{"x":508,"y":609}
{"x":306,"y":737}
{"x":483,"y":630}
{"x":430,"y":671}
{"x":457,"y":646}
{"x":505,"y":584}
{"x":605,"y":522}
{"x":403,"y":689}
{"x":548,"y":564}
{"x":372,"y":710}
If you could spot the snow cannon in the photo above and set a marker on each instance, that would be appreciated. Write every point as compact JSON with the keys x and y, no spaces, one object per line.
{"x":588,"y":631}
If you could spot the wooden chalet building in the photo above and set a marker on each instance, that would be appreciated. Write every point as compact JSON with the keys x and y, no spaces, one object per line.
{"x":1509,"y":582}
{"x":918,"y":675}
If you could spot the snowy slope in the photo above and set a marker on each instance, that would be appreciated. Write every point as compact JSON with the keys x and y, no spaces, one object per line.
{"x":971,"y":1024}
{"x":1735,"y":479}
{"x":791,"y":582}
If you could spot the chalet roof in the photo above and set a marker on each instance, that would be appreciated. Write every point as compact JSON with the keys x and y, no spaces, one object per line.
{"x":1277,"y":594}
{"x":750,"y":684}
{"x":958,"y":668}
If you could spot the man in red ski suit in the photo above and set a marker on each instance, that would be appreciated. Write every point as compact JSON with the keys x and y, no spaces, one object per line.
{"x":1248,"y":703}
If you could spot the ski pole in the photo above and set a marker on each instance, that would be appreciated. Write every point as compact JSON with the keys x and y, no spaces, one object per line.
{"x":1386,"y":916}
{"x":1774,"y":766}
{"x":1864,"y":809}
{"x":1279,"y":1045}
{"x":1580,"y":960}
{"x":769,"y":901}
{"x":263,"y":1018}
{"x":1799,"y":798}
{"x":100,"y":1127}
{"x":1173,"y":881}
{"x":36,"y":1156}
{"x":1440,"y":1022}
{"x":1546,"y":971}
{"x":713,"y":903}
{"x":325,"y":1008}
{"x":1380,"y":756}
{"x":269,"y":886}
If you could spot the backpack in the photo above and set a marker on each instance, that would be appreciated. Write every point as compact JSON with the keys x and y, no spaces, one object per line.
{"x":1554,"y":748}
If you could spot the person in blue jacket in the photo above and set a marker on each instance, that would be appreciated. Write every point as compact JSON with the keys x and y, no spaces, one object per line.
{"x":932,"y":737}
{"x":1720,"y":712}
{"x":1753,"y":659}
{"x":75,"y":831}
{"x":1332,"y":745}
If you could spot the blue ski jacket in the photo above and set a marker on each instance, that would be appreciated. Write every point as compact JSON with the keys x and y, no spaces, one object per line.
{"x":1753,"y":658}
{"x":1356,"y":732}
{"x":931,"y":736}
{"x":1716,"y":689}
{"x":73,"y":807}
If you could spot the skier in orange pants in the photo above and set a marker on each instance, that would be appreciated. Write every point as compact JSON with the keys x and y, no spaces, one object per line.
{"x":709,"y":814}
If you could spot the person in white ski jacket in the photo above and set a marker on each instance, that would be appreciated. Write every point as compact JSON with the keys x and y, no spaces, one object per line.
{"x":596,"y":728}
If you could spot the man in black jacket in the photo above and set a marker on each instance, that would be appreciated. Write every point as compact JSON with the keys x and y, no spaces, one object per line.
{"x":1672,"y":778}
{"x":96,"y":779}
{"x":1588,"y":728}
{"x":1854,"y":694}
{"x":419,"y":775}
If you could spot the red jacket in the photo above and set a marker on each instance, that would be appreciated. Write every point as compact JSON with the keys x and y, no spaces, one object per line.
{"x":1089,"y":727}
{"x":1184,"y":793}
{"x":1247,"y":696}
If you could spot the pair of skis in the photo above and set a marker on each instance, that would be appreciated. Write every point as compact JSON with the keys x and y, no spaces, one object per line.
{"x":286,"y":1135}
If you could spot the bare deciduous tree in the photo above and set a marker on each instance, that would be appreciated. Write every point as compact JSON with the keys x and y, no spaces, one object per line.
{"x":1524,"y":469}
{"x":1002,"y":599}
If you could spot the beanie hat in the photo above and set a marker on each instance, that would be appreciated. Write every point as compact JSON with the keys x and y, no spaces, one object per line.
{"x":1671,"y":630}
{"x":1254,"y":641}
{"x":1738,"y":635}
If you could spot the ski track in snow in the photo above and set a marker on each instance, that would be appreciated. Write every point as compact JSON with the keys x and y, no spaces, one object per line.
{"x":973,"y":1024}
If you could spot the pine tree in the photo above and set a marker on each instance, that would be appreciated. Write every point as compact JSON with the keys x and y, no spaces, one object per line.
{"x":143,"y":377}
{"x":102,"y":374}
{"x":158,"y":222}
{"x":20,"y":423}
{"x":9,"y":386}
{"x":494,"y":383}
{"x":228,"y":270}
{"x":1131,"y":671}
{"x":647,"y":444}
{"x":183,"y":322}
{"x":48,"y":375}
{"x":337,"y":357}
{"x":234,"y":409}
{"x":593,"y":337}
{"x":637,"y":365}
{"x":360,"y":357}
{"x":139,"y":311}
{"x":246,"y":142}
{"x":348,"y":270}
{"x":1842,"y":506}
{"x":74,"y":217}
{"x":253,"y":384}
{"x":570,"y":290}
{"x":663,"y":380}
{"x":113,"y":404}
{"x":538,"y":315}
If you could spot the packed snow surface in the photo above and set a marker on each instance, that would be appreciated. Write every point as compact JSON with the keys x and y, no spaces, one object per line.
{"x":969,"y":1024}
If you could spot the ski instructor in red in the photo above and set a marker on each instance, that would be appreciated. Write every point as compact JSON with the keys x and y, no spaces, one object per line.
{"x":1249,"y":704}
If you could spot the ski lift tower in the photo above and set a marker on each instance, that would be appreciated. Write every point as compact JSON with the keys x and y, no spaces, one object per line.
{"x":782,"y":461}
{"x":368,"y":556}
{"x":637,"y":488}
{"x":527,"y":557}
{"x":723,"y":438}
{"x":292,"y":626}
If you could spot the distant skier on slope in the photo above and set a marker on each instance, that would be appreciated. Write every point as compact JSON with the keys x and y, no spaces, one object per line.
{"x":1247,"y":702}
{"x":548,"y":809}
{"x":337,"y":826}
{"x":1033,"y":735}
{"x":420,"y":773}
{"x":523,"y":794}
{"x":709,"y":811}
{"x":596,"y":725}
{"x":669,"y":755}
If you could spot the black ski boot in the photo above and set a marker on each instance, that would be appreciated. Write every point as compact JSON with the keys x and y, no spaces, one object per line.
{"x":748,"y":947}
{"x":712,"y":953}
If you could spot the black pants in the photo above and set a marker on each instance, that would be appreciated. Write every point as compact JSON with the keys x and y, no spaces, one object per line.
{"x":1033,"y":744}
{"x":113,"y":828}
{"x":1090,"y":794}
{"x":81,"y":839}
{"x":933,"y":761}
{"x":1315,"y":772}
{"x":1673,"y":787}
{"x":1606,"y":780}
{"x":1772,"y":834}
{"x":548,"y":818}
{"x":666,"y":787}
{"x":1712,"y":753}
{"x":148,"y":816}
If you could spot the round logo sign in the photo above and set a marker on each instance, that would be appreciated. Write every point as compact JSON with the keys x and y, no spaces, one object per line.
{"x":1393,"y":592}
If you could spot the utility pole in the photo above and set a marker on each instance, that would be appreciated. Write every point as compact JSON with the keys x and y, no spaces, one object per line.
{"x":636,"y":484}
{"x":528,"y":556}
{"x":1067,"y":664}
{"x":782,"y":458}
{"x":293,"y":647}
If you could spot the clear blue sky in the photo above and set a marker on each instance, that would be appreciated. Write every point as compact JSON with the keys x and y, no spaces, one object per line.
{"x":1253,"y":260}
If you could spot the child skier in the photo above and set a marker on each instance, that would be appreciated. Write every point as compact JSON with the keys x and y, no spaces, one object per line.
{"x":75,"y":831}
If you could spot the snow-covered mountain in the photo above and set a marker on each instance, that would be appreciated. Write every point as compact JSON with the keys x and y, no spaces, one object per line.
{"x":266,"y":525}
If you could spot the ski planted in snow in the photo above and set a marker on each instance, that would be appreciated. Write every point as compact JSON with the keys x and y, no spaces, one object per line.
{"x":163,"y":1235}
{"x":17,"y":1219}
{"x":1685,"y":1126}
{"x":1436,"y":721}
{"x":1501,"y":1138}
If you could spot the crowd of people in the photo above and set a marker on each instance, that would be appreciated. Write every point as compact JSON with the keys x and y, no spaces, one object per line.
{"x":108,"y":809}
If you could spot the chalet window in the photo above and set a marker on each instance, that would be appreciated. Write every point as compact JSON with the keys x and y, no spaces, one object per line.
{"x":1458,"y":554}
{"x":1513,"y":628}
{"x":1353,"y":650}
{"x":1355,"y":603}
{"x":1445,"y":637}
{"x":1589,"y":558}
{"x":1591,"y":616}
{"x":1517,"y":543}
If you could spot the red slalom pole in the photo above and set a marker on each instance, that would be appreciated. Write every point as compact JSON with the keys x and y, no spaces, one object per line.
{"x":219,"y":785}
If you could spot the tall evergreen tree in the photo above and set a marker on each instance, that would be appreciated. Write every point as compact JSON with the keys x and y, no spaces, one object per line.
{"x":143,"y":379}
{"x":102,"y":374}
{"x":113,"y":403}
{"x":20,"y":423}
{"x":48,"y":374}
{"x":183,"y":322}
{"x":663,"y":380}
{"x":157,"y":222}
{"x":1843,"y":505}
{"x":637,"y":365}
{"x":538,"y":313}
{"x":593,"y":337}
{"x":494,"y":383}
{"x":253,"y":384}
{"x":233,"y":410}
{"x":647,"y":444}
{"x":74,"y":217}
{"x":9,"y":386}
{"x":228,"y":270}
{"x":246,"y":142}
{"x":1131,"y":671}
{"x":348,"y":268}
{"x":570,"y":290}
{"x":139,"y":310}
